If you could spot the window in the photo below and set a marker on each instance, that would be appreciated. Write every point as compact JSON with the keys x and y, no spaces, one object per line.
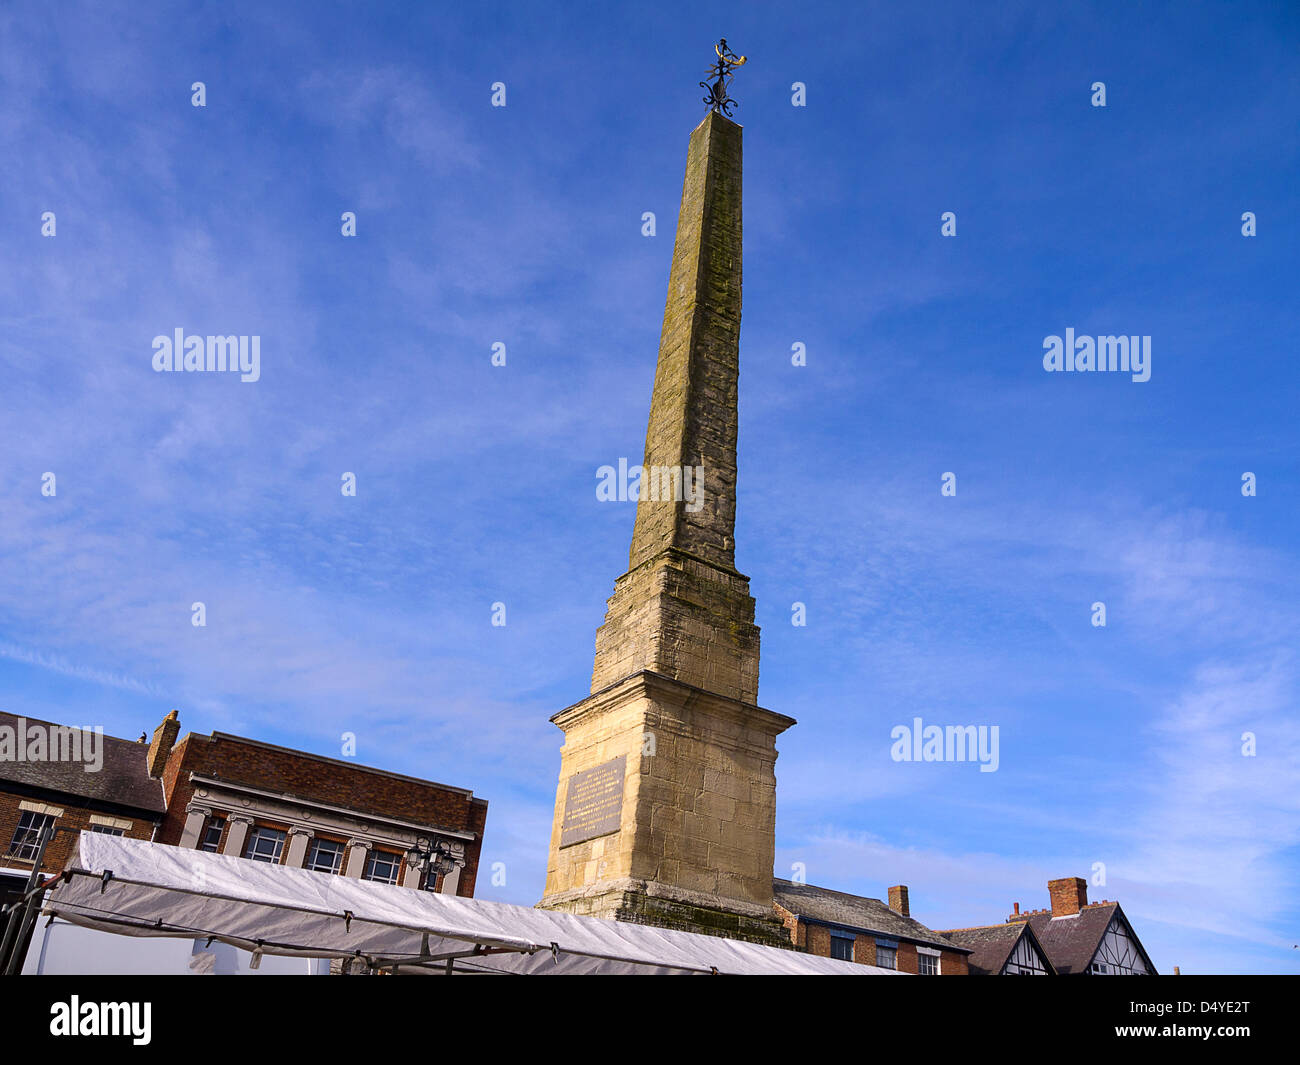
{"x":1099,"y":967}
{"x":212,"y":834}
{"x":108,"y":830}
{"x":841,"y":946}
{"x":265,"y":845}
{"x":325,"y":856}
{"x":886,"y":957}
{"x":382,"y":866}
{"x":927,"y":964}
{"x":27,"y":836}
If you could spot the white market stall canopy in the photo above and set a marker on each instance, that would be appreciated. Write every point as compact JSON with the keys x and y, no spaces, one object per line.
{"x":136,"y":888}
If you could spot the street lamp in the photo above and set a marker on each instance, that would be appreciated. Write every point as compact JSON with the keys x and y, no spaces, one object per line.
{"x":438,"y":860}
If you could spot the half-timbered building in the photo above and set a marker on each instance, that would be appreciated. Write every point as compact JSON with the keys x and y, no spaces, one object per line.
{"x":1077,"y":937}
{"x":1009,"y":949}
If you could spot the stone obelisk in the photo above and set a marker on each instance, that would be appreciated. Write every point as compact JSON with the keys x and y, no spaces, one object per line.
{"x":666,"y":807}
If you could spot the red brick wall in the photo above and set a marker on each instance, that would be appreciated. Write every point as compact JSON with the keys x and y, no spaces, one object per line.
{"x":353,"y":787}
{"x":817,"y":940}
{"x":953,"y":964}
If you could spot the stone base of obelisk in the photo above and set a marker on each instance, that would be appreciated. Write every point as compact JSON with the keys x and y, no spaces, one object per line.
{"x":679,"y":829}
{"x":638,"y":902}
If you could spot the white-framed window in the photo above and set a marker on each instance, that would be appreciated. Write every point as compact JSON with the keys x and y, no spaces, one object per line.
{"x":927,"y":963}
{"x":27,"y":836}
{"x":382,"y":866}
{"x":265,"y":845}
{"x":325,"y":856}
{"x":841,"y":946}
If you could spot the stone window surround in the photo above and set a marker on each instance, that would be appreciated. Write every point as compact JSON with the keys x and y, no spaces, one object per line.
{"x":41,"y":808}
{"x":242,"y":805}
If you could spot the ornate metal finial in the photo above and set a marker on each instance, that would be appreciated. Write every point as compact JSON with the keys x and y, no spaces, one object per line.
{"x":720,"y":72}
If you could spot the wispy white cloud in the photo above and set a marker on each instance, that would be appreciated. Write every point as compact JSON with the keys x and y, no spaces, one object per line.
{"x":57,"y":664}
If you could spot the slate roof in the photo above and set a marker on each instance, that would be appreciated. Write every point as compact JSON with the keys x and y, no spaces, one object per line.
{"x":1071,"y":942}
{"x":853,"y":911}
{"x":123,"y":780}
{"x":992,"y":945}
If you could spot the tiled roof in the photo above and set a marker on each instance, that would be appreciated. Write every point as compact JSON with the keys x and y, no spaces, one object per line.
{"x":992,"y":945}
{"x":854,"y":911}
{"x":122,"y":780}
{"x":1070,"y":942}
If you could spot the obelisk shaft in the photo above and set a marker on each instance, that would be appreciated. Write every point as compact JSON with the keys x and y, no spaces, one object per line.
{"x":682,"y":610}
{"x":693,"y":413}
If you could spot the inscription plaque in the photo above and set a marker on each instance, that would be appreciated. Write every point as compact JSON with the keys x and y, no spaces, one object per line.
{"x":593,"y":804}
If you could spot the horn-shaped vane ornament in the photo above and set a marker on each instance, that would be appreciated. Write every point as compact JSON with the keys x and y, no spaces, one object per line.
{"x":721,"y":75}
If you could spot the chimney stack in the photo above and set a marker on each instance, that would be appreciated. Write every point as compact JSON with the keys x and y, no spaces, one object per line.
{"x":164,"y":736}
{"x":898,"y":900}
{"x":1069,"y":895}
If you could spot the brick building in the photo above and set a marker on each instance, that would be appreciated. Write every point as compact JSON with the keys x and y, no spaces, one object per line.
{"x":834,"y":924}
{"x":1074,"y":937}
{"x":235,"y":796}
{"x":72,"y":779}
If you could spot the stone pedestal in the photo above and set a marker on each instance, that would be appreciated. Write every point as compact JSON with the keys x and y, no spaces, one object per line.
{"x":693,"y":845}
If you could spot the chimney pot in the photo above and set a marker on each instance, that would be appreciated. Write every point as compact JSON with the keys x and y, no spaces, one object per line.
{"x":898,"y":900}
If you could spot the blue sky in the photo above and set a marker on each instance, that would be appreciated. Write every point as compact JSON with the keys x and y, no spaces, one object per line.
{"x":522,"y":224}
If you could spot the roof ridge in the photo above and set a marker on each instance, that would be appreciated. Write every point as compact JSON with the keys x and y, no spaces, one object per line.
{"x":80,"y":728}
{"x":837,"y":891}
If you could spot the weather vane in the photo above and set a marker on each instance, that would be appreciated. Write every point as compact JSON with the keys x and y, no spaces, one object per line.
{"x":720,"y":72}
